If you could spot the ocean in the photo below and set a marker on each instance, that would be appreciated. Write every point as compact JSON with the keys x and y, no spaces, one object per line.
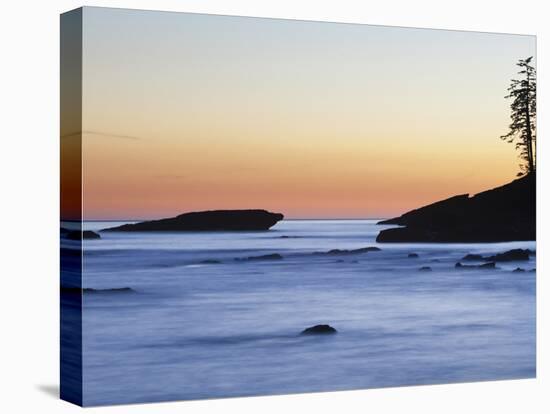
{"x":202,"y":320}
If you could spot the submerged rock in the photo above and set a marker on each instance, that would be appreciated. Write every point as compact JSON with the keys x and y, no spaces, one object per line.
{"x":215,"y":220}
{"x":518,"y":270}
{"x":335,"y":252}
{"x":425,"y":269}
{"x":510,"y":256}
{"x":210,"y":261}
{"x":473,"y":257}
{"x":82,"y":235}
{"x":413,"y":255}
{"x":505,"y":213}
{"x":490,"y":265}
{"x":111,"y":290}
{"x":319,"y":330}
{"x":274,"y":256}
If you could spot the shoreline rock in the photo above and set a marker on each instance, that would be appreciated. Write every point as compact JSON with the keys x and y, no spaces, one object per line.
{"x":505,"y":213}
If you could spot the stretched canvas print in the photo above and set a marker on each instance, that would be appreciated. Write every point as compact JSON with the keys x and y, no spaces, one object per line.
{"x":257,"y":206}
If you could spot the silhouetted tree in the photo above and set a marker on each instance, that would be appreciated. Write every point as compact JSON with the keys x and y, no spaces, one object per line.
{"x":524,"y":115}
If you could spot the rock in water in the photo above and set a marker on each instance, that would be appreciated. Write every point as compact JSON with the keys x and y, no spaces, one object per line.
{"x":425,"y":269}
{"x":505,"y":213}
{"x":335,"y":252}
{"x":215,"y":220}
{"x":518,"y":270}
{"x":490,"y":265}
{"x":210,"y":261}
{"x":111,"y":290}
{"x":510,"y":256}
{"x":273,"y":256}
{"x":319,"y":330}
{"x":413,"y":256}
{"x":82,"y":235}
{"x":473,"y":257}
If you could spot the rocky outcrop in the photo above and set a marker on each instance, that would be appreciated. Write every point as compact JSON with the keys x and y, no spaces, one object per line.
{"x":215,"y":220}
{"x":505,"y":213}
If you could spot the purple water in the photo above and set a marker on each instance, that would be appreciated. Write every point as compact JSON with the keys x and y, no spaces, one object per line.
{"x":192,"y":330}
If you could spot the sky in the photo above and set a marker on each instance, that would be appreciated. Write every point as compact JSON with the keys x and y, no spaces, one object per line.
{"x":187,"y":112}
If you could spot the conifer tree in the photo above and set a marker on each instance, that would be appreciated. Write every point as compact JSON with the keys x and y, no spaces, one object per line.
{"x":522,"y":129}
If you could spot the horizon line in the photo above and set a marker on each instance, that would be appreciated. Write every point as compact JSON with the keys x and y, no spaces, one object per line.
{"x":284,"y":219}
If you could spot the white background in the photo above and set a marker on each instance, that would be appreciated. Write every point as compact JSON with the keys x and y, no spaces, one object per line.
{"x":29,"y":163}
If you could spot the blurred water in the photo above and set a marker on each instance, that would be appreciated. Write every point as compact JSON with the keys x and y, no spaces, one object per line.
{"x":201,"y":330}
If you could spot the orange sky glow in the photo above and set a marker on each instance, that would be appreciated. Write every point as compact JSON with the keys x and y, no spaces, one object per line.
{"x":187,"y":112}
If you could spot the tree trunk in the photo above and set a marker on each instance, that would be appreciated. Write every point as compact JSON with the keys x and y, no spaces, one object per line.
{"x":529,"y":142}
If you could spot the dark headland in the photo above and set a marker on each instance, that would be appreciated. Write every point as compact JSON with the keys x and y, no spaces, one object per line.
{"x":505,"y":213}
{"x":215,"y":220}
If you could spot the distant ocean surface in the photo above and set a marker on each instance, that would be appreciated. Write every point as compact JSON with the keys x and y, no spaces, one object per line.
{"x":200,"y":324}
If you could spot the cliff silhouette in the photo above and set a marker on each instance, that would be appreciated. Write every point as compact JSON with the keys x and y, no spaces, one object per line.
{"x":505,"y":213}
